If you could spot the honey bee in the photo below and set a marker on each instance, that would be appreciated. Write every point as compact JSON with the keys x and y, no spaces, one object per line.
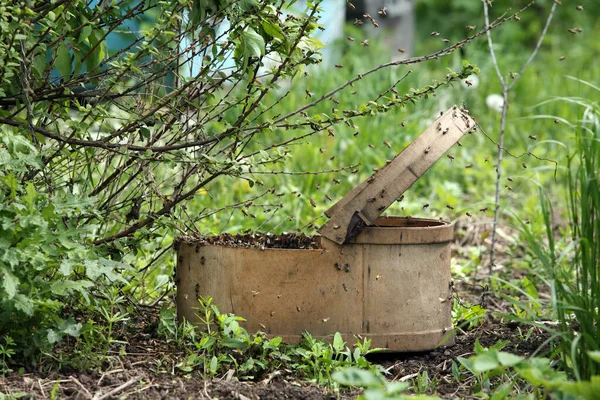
{"x":328,"y":197}
{"x":425,"y":206}
{"x":524,"y":165}
{"x":382,"y":11}
{"x":388,"y":145}
{"x":579,"y":8}
{"x":450,"y":157}
{"x":469,"y":214}
{"x":312,"y":203}
{"x":483,"y":209}
{"x":449,"y":207}
{"x":339,"y":66}
{"x":532,"y":137}
{"x":469,"y":166}
{"x":562,"y":58}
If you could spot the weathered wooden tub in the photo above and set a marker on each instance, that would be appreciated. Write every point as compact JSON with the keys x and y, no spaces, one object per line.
{"x":383,"y":278}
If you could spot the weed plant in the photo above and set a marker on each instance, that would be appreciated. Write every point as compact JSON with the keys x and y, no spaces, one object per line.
{"x":574,"y":276}
{"x":580,"y":295}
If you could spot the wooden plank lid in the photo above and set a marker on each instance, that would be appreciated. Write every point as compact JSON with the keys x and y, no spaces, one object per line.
{"x":365,"y":203}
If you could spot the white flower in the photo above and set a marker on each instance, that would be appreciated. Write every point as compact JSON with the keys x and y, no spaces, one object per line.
{"x":495,"y":102}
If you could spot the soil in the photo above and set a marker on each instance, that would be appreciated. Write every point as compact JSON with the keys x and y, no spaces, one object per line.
{"x":139,"y":375}
{"x":254,"y":240}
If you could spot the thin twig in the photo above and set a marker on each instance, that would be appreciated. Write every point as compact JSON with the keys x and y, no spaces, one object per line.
{"x":76,"y":381}
{"x":325,"y":171}
{"x":119,"y":388}
{"x":505,"y":90}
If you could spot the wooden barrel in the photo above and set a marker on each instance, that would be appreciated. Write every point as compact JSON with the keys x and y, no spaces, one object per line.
{"x":391,"y":284}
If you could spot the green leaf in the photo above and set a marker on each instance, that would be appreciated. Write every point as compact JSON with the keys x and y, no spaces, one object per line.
{"x":588,"y":390}
{"x":247,"y":5}
{"x":486,"y":361}
{"x":530,"y":288}
{"x":338,"y":342}
{"x":23,"y":304}
{"x":63,"y":61}
{"x":85,"y":33}
{"x":272,"y":29}
{"x":251,"y":44}
{"x":356,"y":377}
{"x":53,"y":336}
{"x":30,"y":195}
{"x":70,"y":327}
{"x":594,"y":355}
{"x":62,"y":288}
{"x":508,"y":359}
{"x":214,"y":363}
{"x":10,"y":283}
{"x":97,"y":55}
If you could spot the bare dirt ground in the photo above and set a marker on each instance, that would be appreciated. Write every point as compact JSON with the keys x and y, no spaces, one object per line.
{"x":137,"y":376}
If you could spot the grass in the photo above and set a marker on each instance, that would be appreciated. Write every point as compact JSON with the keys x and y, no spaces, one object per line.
{"x":573,"y":275}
